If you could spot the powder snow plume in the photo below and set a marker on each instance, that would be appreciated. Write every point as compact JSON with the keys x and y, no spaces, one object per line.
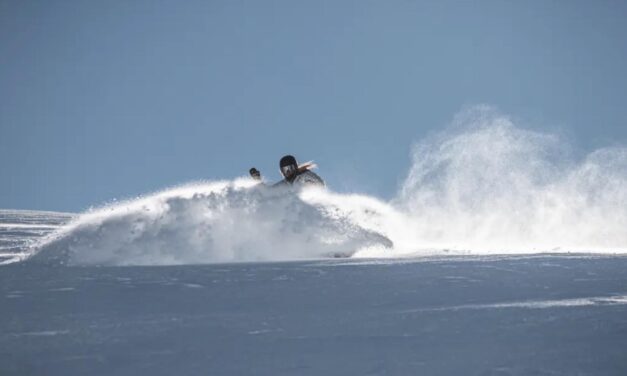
{"x":205,"y":223}
{"x":488,"y":186}
{"x":484,"y":186}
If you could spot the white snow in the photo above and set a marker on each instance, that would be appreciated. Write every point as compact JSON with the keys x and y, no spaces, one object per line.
{"x":536,"y":304}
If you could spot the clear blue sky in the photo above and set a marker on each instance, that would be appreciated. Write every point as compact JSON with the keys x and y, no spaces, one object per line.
{"x":110,"y":99}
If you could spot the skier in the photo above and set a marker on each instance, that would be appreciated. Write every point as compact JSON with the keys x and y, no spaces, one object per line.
{"x":295,"y":174}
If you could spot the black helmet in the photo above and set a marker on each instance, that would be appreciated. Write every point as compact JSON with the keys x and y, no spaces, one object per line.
{"x":288,"y":166}
{"x":287,"y":161}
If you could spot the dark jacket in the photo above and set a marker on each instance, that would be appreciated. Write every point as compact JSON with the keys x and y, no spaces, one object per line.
{"x":305,"y":177}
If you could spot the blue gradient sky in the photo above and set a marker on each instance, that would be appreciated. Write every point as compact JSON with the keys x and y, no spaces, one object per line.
{"x":110,"y":99}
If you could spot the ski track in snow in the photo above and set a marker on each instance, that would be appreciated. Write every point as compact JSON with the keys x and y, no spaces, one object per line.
{"x":534,"y":304}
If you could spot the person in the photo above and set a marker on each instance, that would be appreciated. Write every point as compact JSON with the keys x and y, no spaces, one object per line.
{"x":295,"y":174}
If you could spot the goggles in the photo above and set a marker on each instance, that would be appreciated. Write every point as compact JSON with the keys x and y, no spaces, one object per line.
{"x":288,"y":170}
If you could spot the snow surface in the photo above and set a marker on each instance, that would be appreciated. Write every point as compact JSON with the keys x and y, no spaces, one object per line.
{"x":463,"y":315}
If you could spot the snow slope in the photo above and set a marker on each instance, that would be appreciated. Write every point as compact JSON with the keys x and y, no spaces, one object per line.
{"x":479,"y":315}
